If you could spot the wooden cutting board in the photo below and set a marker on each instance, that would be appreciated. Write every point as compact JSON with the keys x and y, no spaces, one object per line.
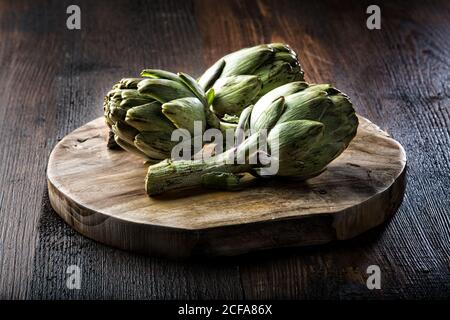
{"x":100,"y":193}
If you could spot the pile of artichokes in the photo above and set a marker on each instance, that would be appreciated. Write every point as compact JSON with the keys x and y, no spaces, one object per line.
{"x":143,"y":112}
{"x":259,"y":91}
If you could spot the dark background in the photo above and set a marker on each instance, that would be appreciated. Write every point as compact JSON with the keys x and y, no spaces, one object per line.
{"x":52,"y":80}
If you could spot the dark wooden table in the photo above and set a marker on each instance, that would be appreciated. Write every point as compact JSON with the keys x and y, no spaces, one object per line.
{"x":52,"y":80}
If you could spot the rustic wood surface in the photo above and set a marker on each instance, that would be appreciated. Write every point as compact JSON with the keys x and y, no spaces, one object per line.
{"x":52,"y":81}
{"x":100,"y":192}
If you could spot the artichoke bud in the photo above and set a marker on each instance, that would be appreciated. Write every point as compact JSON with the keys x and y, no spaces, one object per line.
{"x":163,"y":90}
{"x":148,"y":117}
{"x":184,"y":112}
{"x":334,"y":110}
{"x":258,"y":60}
{"x":233,"y":94}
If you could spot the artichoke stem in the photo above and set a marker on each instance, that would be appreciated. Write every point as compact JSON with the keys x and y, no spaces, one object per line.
{"x":184,"y":174}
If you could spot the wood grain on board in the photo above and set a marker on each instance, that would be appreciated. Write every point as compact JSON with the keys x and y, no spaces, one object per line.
{"x":100,"y":192}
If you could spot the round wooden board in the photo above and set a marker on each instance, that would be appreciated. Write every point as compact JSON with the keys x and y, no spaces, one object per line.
{"x":100,"y":193}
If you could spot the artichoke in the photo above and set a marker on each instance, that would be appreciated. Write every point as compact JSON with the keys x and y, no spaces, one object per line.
{"x":306,"y":127}
{"x":259,"y":69}
{"x":143,"y":112}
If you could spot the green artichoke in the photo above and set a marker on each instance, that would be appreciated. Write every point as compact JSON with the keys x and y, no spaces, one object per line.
{"x":142,"y":113}
{"x":258,"y":69}
{"x":308,"y":126}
